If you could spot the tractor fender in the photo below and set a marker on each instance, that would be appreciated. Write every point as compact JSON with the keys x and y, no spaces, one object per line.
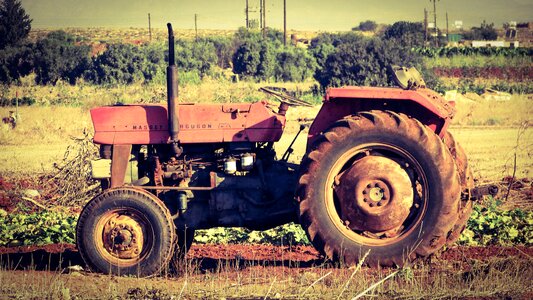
{"x":425,"y":105}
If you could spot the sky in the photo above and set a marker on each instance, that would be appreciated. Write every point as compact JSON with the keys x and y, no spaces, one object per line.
{"x":315,"y":15}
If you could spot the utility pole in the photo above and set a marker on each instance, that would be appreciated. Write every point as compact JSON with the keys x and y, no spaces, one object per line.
{"x":264,"y":19}
{"x":149,"y":27}
{"x":261,"y":14}
{"x":196,"y":25}
{"x":247,"y":21}
{"x":435,"y":21}
{"x":425,"y":26}
{"x":284,"y":22}
{"x":447,"y":28}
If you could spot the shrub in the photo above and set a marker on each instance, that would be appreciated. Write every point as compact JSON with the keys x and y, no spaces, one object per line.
{"x":294,"y":64}
{"x":224,"y":49}
{"x":364,"y":62}
{"x":367,"y":25}
{"x":485,"y":32}
{"x":119,"y":64}
{"x":255,"y":59}
{"x":409,"y":34}
{"x":57,"y":57}
{"x":196,"y":56}
{"x":15,"y":62}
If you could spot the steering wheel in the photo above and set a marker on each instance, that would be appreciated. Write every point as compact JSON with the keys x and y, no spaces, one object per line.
{"x":284,"y":98}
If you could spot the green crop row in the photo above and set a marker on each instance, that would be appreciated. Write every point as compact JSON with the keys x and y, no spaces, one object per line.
{"x":479,"y":87}
{"x":38,"y":228}
{"x":485,"y":51}
{"x":488,"y":225}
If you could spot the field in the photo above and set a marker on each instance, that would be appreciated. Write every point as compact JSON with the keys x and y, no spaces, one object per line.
{"x":496,"y":135}
{"x":274,"y":272}
{"x":47,"y":153}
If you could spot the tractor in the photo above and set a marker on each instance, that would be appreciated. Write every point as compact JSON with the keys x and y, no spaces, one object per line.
{"x":381,"y":176}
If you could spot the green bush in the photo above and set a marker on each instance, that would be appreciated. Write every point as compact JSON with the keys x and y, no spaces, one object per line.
{"x":224,"y":49}
{"x":294,"y":64}
{"x":196,"y":56}
{"x":489,"y":225}
{"x":15,"y":62}
{"x":119,"y":64}
{"x":24,"y":101}
{"x":255,"y":59}
{"x":38,"y":228}
{"x":288,"y":234}
{"x":409,"y":34}
{"x":57,"y":57}
{"x":364,"y":62}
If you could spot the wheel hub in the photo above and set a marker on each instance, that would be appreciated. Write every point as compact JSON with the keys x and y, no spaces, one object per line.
{"x":123,"y":237}
{"x":375,"y":195}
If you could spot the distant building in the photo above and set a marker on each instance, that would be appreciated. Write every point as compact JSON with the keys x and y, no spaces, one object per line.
{"x":519,"y":34}
{"x":458,"y":25}
{"x":479,"y":44}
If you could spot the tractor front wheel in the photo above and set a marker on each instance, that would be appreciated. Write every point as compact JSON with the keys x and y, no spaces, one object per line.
{"x":126,"y":231}
{"x":378,"y":182}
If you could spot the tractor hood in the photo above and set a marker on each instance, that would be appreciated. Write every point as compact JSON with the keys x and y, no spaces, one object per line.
{"x":199,"y":123}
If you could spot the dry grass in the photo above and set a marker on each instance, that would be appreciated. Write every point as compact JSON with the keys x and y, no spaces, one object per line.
{"x":490,"y":279}
{"x":141,"y":35}
{"x":42,"y":135}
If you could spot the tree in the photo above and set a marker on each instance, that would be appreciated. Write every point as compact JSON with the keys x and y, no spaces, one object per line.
{"x":367,"y":25}
{"x":364,"y":62}
{"x":119,"y":64}
{"x":294,"y":64}
{"x":485,"y":32}
{"x":255,"y":59}
{"x":15,"y":24}
{"x":15,"y":62}
{"x":406,"y":33}
{"x":58,"y":57}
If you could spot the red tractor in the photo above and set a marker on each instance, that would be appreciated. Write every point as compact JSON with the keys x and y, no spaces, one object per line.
{"x":380,"y":174}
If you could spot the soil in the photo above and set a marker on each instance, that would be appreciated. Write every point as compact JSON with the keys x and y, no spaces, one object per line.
{"x":56,"y":256}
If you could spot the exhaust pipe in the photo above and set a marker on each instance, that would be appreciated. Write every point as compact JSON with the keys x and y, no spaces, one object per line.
{"x":172,"y":95}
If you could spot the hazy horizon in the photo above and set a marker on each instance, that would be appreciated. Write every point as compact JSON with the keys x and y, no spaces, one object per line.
{"x":332,"y":15}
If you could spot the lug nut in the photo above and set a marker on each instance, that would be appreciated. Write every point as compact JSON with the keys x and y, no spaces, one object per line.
{"x":372,"y":204}
{"x":380,"y":203}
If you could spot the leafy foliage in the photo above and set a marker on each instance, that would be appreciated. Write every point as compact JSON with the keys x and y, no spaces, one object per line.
{"x":469,"y":51}
{"x":289,"y":234}
{"x":361,"y":61}
{"x":57,"y":57}
{"x":367,"y":25}
{"x":485,"y":32}
{"x":15,"y":24}
{"x":294,"y":64}
{"x":405,"y":33}
{"x":119,"y":64}
{"x":15,"y":62}
{"x":38,"y":228}
{"x":489,"y":225}
{"x":196,"y":56}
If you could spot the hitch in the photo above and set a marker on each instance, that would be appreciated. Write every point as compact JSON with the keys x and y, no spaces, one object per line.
{"x":478,"y":192}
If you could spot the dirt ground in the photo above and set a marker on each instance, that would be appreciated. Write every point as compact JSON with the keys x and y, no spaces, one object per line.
{"x":257,"y":271}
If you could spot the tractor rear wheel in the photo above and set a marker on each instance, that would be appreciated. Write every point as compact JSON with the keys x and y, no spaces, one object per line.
{"x":378,"y":182}
{"x":467,"y":184}
{"x":126,"y":231}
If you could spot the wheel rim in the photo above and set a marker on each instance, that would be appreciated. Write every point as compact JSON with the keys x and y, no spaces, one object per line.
{"x":123,"y":237}
{"x":376,"y":194}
